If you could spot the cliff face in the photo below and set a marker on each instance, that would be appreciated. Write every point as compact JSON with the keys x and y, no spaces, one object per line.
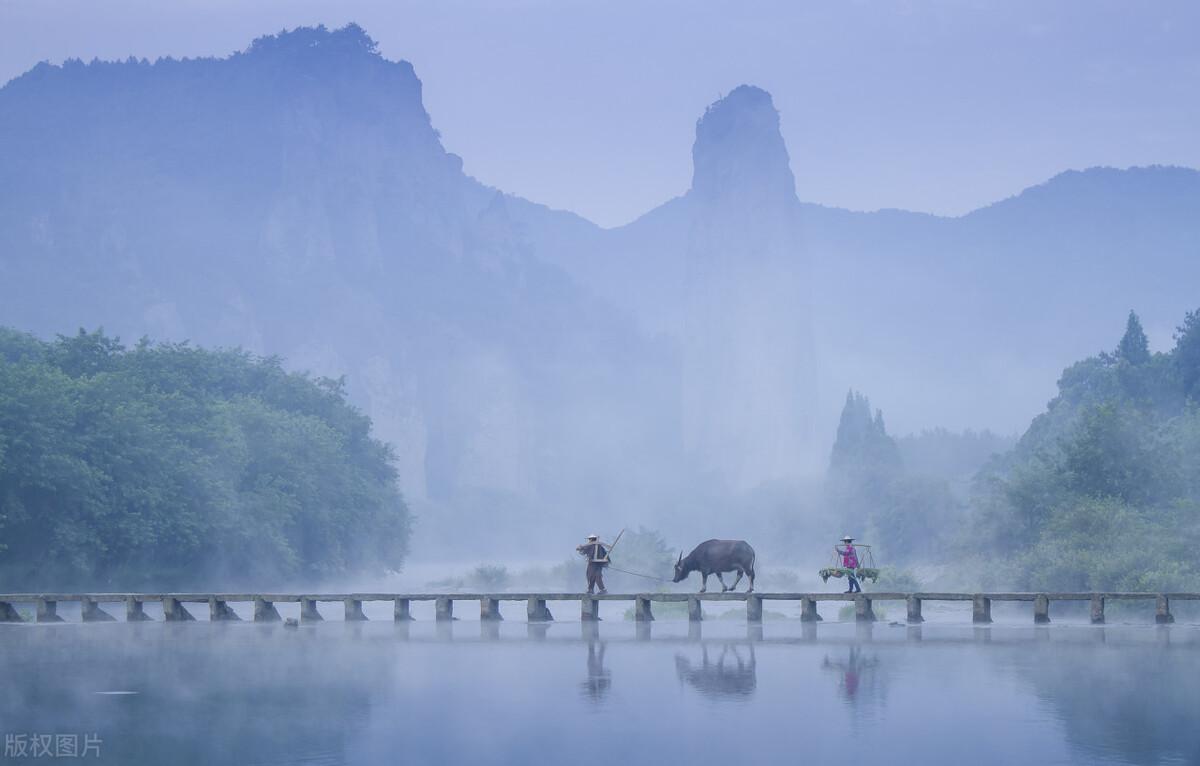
{"x":748,"y":368}
{"x":294,"y":199}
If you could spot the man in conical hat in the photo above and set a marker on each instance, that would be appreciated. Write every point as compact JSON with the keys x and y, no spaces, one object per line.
{"x":597,"y":556}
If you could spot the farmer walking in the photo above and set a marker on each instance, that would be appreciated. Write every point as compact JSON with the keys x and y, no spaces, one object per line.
{"x":597,"y":556}
{"x":849,"y":563}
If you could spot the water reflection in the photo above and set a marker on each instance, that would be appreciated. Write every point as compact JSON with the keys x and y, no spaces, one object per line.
{"x":511,"y":693}
{"x":857,"y":670}
{"x":730,"y":675}
{"x":599,"y":679}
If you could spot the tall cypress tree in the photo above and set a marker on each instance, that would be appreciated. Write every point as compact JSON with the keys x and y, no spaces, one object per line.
{"x":1187,"y":354}
{"x":1134,"y":347}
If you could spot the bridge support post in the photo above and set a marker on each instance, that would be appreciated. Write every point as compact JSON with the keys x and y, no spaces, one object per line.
{"x":135,"y":610}
{"x":308,"y":611}
{"x":443,"y":610}
{"x":489,"y":609}
{"x":695,"y":612}
{"x":864,"y":610}
{"x":1041,"y":609}
{"x":1097,"y":609}
{"x":1162,"y":611}
{"x":915,"y":615}
{"x":174,"y":610}
{"x":914,"y":610}
{"x":981,"y":609}
{"x":8,"y":614}
{"x":401,"y":611}
{"x":753,"y":608}
{"x":265,"y":611}
{"x":808,"y":610}
{"x":90,"y":611}
{"x":537,"y":611}
{"x":47,"y":611}
{"x":589,"y":609}
{"x":219,"y":611}
{"x":641,"y":610}
{"x":354,"y":612}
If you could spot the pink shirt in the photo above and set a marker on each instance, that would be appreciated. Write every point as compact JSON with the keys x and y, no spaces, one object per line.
{"x":849,"y":557}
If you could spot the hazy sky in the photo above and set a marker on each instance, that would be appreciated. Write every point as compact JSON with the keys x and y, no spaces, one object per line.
{"x":935,"y":106}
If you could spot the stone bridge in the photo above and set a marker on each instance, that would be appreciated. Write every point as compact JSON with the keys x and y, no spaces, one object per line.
{"x":175,"y":605}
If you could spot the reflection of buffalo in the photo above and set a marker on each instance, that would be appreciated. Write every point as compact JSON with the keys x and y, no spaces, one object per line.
{"x":739,"y":678}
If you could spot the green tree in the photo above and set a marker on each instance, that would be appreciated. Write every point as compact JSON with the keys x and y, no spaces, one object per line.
{"x":1187,"y":355}
{"x":1134,"y":346}
{"x":1102,"y":491}
{"x":172,"y":466}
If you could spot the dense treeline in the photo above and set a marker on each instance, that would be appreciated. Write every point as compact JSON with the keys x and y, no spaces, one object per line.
{"x":1103,"y":491}
{"x":907,"y":496}
{"x":169,"y":465}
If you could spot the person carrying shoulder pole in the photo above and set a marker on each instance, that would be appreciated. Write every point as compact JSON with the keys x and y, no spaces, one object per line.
{"x":849,"y":563}
{"x":597,"y":556}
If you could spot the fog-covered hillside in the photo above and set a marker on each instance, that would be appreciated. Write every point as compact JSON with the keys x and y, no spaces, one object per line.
{"x":530,"y":367}
{"x":295,"y":199}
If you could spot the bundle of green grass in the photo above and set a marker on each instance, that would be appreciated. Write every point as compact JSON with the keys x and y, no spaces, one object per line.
{"x":862,"y":573}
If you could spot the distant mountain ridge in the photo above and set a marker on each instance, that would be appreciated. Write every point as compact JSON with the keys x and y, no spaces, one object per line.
{"x":295,"y":199}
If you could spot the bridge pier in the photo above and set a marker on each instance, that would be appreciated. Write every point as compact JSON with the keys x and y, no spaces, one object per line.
{"x":589,"y":609}
{"x":135,"y":610}
{"x":864,"y":610}
{"x":47,"y":611}
{"x":981,"y":609}
{"x":308,"y":610}
{"x":489,"y":609}
{"x":808,"y":610}
{"x":537,"y":611}
{"x":401,"y":611}
{"x":695,"y":611}
{"x":443,"y":610}
{"x":175,"y":611}
{"x":265,"y":611}
{"x":354,"y":612}
{"x":9,"y":614}
{"x":90,"y":611}
{"x":219,"y":611}
{"x":1162,"y":611}
{"x":753,"y":608}
{"x":1041,"y":609}
{"x":914,"y":610}
{"x":1097,"y":609}
{"x":641,"y":610}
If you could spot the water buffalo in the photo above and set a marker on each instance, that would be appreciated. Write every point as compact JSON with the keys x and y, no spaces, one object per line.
{"x":715,"y":557}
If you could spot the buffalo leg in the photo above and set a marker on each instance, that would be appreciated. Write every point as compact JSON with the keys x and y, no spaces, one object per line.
{"x":704,"y":583}
{"x":737,"y":580}
{"x":721,"y":580}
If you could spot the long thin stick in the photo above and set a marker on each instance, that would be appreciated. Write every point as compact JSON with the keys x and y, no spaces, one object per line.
{"x":614,"y":543}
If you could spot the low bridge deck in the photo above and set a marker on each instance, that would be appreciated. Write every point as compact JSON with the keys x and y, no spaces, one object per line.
{"x":174,"y":609}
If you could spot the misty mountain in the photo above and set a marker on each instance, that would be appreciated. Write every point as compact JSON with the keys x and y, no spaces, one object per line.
{"x":957,"y":322}
{"x":295,"y":199}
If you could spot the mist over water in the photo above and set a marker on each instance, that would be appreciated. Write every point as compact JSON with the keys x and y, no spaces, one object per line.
{"x":719,"y":693}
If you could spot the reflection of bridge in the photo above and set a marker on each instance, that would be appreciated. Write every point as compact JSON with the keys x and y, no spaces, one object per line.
{"x":174,"y":609}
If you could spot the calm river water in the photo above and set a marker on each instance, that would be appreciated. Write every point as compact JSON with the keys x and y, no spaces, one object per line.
{"x":472,"y":693}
